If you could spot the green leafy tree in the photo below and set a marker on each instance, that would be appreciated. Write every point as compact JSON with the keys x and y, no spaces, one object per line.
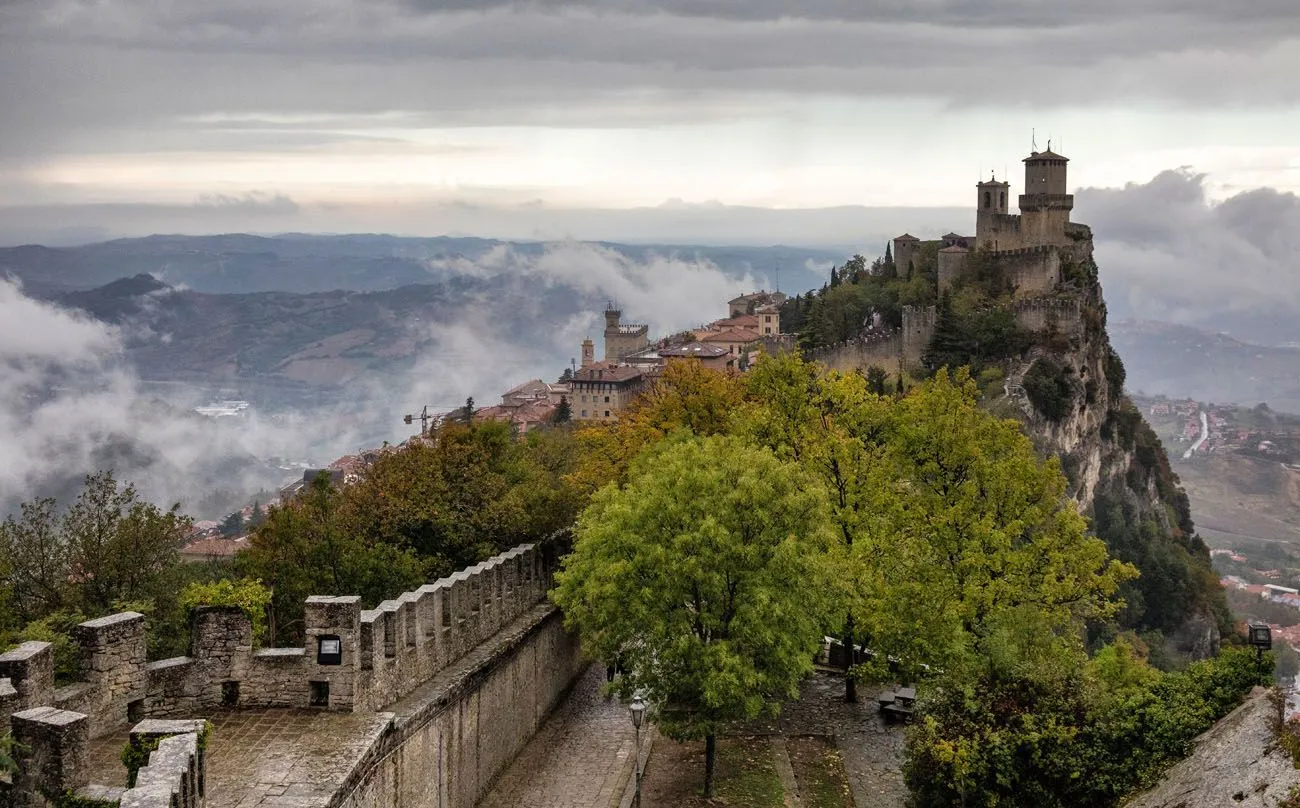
{"x":877,"y":380}
{"x":982,"y":531}
{"x":829,"y":424}
{"x":36,"y":560}
{"x":123,"y":548}
{"x":698,"y":576}
{"x":563,"y":412}
{"x":233,"y":525}
{"x":306,"y":548}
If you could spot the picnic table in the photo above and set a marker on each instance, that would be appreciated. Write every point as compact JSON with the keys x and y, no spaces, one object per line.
{"x":897,"y":703}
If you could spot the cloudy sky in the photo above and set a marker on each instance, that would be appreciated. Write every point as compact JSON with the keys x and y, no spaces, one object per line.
{"x":404,"y":115}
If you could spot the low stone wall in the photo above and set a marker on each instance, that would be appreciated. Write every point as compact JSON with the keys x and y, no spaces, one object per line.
{"x":451,"y":738}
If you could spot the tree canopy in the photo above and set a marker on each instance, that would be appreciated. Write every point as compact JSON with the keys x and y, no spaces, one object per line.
{"x":704,"y":576}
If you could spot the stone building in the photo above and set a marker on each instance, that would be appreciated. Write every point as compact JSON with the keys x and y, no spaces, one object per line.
{"x":623,"y":339}
{"x":1027,"y":245}
{"x":601,"y":390}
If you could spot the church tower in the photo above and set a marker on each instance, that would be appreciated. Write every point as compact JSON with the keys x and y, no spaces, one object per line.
{"x":990,"y":200}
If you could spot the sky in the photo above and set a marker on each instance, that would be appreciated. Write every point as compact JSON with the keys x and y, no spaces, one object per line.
{"x":551,"y":118}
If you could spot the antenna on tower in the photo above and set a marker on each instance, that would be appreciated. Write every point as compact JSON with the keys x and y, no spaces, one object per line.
{"x":1033,"y":140}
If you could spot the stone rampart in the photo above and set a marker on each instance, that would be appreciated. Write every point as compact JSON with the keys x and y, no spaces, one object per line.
{"x":1045,"y":314}
{"x":353,"y":659}
{"x":880,"y":348}
{"x":450,"y":738}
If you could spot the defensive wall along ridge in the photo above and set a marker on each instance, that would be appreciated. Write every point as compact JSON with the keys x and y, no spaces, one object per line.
{"x":460,"y":674}
{"x":886,"y":348}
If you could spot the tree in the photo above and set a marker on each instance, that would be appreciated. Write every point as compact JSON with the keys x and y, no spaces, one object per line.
{"x":877,"y":379}
{"x":982,"y":532}
{"x":37,"y":561}
{"x":467,"y":412}
{"x":702,"y":575}
{"x":122,"y":548}
{"x":687,"y":396}
{"x":829,"y":424}
{"x":306,"y":548}
{"x":563,"y":412}
{"x":233,"y":525}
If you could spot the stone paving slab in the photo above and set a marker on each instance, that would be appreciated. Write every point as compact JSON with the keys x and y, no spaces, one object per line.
{"x":580,"y":758}
{"x":268,"y":757}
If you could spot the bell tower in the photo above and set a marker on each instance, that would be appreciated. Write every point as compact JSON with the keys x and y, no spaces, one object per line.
{"x":990,"y":201}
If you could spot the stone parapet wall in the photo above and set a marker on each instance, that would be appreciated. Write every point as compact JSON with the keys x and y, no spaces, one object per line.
{"x":384,"y":653}
{"x":450,"y":738}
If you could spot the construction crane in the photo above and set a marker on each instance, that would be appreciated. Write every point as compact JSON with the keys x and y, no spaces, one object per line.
{"x":424,"y":417}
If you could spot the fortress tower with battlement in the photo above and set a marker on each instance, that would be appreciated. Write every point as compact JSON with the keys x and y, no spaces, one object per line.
{"x":623,"y":339}
{"x":1028,"y":245}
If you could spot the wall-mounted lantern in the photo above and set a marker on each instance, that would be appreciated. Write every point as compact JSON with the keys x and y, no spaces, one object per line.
{"x":329,"y":650}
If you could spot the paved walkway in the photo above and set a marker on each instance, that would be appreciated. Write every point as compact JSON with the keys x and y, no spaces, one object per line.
{"x":872,"y":748}
{"x":273,"y":757}
{"x":581,"y":757}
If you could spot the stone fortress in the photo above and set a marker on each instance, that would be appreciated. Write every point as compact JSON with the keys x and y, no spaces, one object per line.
{"x":1029,"y":248}
{"x":454,"y":677}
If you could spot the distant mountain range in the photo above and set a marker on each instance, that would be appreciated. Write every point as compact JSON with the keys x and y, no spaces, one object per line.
{"x":304,"y":264}
{"x":1180,"y":361}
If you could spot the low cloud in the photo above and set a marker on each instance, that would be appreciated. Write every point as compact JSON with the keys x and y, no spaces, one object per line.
{"x":1166,"y":252}
{"x":73,"y":403}
{"x":252,"y":202}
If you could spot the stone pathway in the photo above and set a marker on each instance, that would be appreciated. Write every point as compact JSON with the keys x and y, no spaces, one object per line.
{"x":872,"y":749}
{"x":272,"y":757}
{"x":581,"y":757}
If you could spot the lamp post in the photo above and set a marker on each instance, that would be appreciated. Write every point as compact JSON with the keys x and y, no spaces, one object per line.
{"x":638,"y":715}
{"x":1261,"y":637}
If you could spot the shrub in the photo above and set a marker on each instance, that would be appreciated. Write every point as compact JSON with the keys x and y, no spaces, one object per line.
{"x":246,"y":593}
{"x":1049,"y":389}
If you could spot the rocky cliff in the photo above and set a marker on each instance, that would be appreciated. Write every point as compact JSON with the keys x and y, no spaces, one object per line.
{"x":1069,"y":391}
{"x":1237,"y":762}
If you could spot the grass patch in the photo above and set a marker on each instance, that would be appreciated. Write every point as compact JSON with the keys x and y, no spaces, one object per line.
{"x":746,"y":775}
{"x":819,"y":770}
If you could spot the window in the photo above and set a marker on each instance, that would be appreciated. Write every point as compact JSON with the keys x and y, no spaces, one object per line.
{"x":986,"y":199}
{"x":584,"y":413}
{"x":606,"y":399}
{"x":584,"y":398}
{"x":320,"y":694}
{"x":606,"y":413}
{"x":1002,"y":199}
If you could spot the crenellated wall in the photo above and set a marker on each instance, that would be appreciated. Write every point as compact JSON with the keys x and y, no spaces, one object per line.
{"x":385,"y":652}
{"x":485,"y":655}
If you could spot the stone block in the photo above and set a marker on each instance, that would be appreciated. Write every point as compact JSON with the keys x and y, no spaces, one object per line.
{"x":30,"y":671}
{"x":51,"y":750}
{"x":335,"y":616}
{"x":112,"y":658}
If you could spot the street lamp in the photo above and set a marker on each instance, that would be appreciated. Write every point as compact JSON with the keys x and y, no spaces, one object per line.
{"x":1261,"y":637}
{"x":638,"y":715}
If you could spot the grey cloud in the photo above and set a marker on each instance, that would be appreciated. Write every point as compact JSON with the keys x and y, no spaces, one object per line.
{"x":251,"y":202}
{"x":1166,"y":252}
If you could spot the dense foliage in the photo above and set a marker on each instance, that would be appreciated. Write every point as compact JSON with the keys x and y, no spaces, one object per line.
{"x":703,"y":577}
{"x":465,"y":493}
{"x":856,"y":296}
{"x":1041,"y":731}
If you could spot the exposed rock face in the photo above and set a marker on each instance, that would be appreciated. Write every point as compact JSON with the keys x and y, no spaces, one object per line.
{"x":1119,"y":473}
{"x":1237,"y":762}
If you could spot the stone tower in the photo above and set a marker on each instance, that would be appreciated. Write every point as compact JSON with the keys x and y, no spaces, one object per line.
{"x":990,"y":202}
{"x":1045,"y":206}
{"x":588,"y":353}
{"x":905,"y":247}
{"x":623,"y":339}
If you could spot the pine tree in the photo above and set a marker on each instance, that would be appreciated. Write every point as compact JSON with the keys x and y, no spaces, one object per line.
{"x":563,"y":412}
